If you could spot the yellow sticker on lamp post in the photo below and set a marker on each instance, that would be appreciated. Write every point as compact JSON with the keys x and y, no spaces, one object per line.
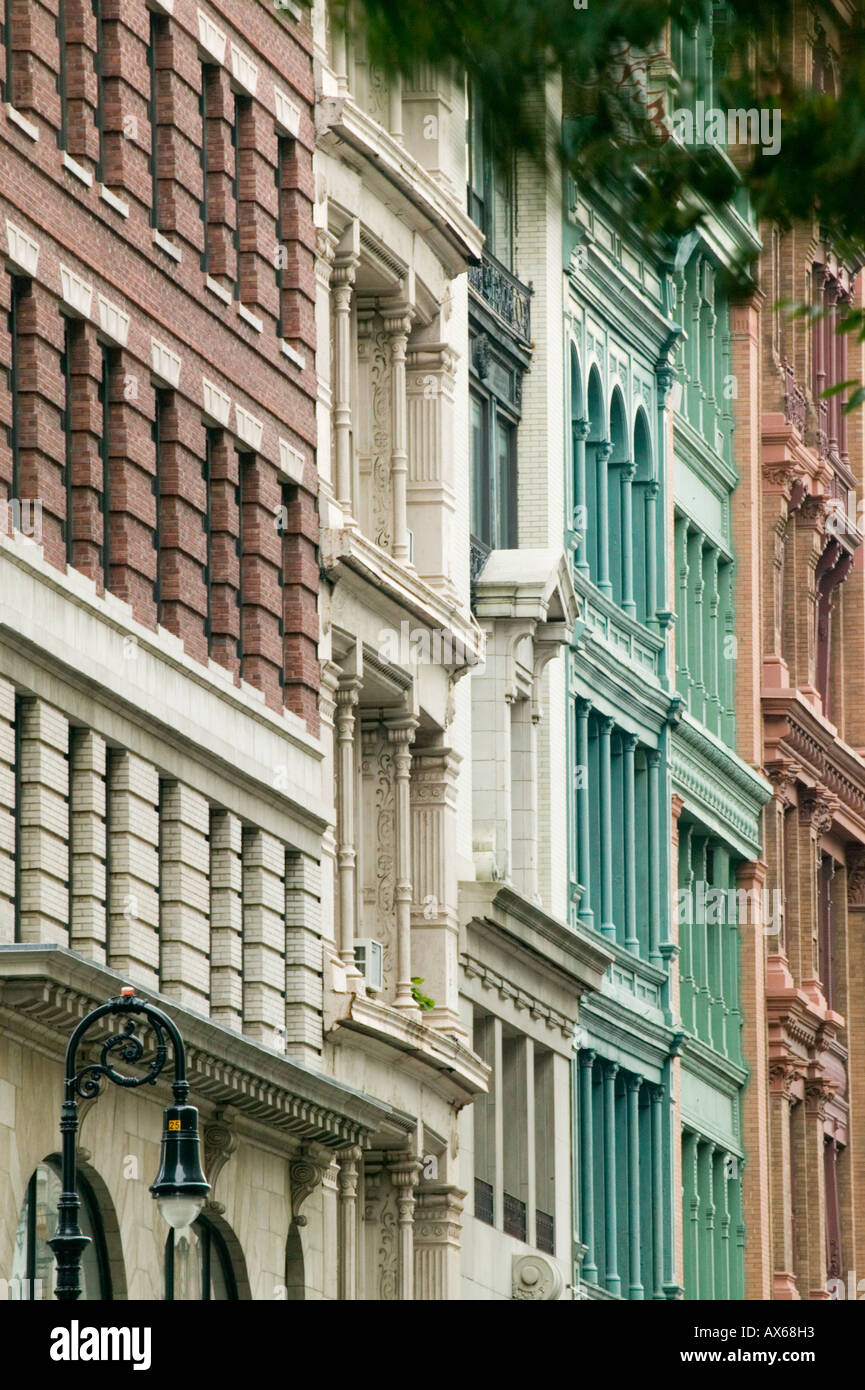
{"x":174,"y":1124}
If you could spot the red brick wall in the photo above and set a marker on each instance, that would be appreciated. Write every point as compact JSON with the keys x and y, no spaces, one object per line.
{"x":167,"y":298}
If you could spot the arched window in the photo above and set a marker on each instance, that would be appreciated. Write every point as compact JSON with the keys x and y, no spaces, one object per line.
{"x":33,"y":1265}
{"x":198,"y":1265}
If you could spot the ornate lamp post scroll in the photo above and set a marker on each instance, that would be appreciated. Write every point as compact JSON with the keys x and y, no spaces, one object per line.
{"x":180,"y":1187}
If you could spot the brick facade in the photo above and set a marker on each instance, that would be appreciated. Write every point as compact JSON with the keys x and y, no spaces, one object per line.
{"x":173,"y":217}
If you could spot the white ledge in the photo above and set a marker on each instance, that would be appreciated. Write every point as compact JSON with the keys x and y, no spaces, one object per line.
{"x":292,"y":354}
{"x":167,"y":246}
{"x":77,"y":169}
{"x":113,"y":201}
{"x":22,"y":122}
{"x":249,"y":317}
{"x":217,"y":289}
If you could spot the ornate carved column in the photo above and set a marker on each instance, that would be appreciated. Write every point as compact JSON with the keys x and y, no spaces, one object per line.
{"x":435,"y":919}
{"x":584,"y":832}
{"x":683,"y":668}
{"x":437,"y":1242}
{"x":653,"y":762}
{"x":627,"y":485}
{"x":602,"y":520}
{"x":783,"y":1077}
{"x":613,"y":1280}
{"x":635,"y":1283}
{"x":652,"y":490}
{"x":691,"y":1212}
{"x":811,"y":1231}
{"x":629,"y":748}
{"x":580,"y":518}
{"x":397,"y":325}
{"x":400,"y":734}
{"x":347,"y":1185}
{"x":658,"y":1097}
{"x":405,"y":1175}
{"x":587,"y":1160}
{"x":346,"y":850}
{"x":342,"y":281}
{"x":608,"y":926}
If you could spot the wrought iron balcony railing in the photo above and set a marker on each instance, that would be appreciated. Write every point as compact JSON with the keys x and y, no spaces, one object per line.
{"x":504,"y":293}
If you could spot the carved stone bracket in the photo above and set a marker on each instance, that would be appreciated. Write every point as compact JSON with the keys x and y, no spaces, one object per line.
{"x":306,"y":1169}
{"x":220,"y":1142}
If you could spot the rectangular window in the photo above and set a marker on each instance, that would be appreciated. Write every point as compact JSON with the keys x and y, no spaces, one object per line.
{"x":161,"y":405}
{"x":244,"y":464}
{"x":494,"y":475}
{"x":108,"y":358}
{"x":209,"y":76}
{"x":506,"y":483}
{"x":158,"y":35}
{"x":63,"y":74}
{"x":19,"y":288}
{"x":480,"y":472}
{"x":66,"y":370}
{"x":98,"y":64}
{"x":18,"y":793}
{"x":284,"y":181}
{"x":544,"y":1121}
{"x":241,"y":141}
{"x":15,"y":51}
{"x":213,"y":437}
{"x":826,"y":929}
{"x":490,"y":192}
{"x":484,"y":1119}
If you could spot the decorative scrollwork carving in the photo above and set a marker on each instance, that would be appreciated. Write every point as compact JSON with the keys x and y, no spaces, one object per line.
{"x":88,"y":1082}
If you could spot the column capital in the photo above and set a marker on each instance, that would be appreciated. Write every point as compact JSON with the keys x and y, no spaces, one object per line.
{"x":582,"y":429}
{"x":398,"y":319}
{"x":583,"y":706}
{"x":588,"y":1057}
{"x":344,"y":272}
{"x":611,"y":1069}
{"x":607,"y":724}
{"x":405,"y":1171}
{"x":633,"y":1083}
{"x":401,"y":729}
{"x":349,"y":1169}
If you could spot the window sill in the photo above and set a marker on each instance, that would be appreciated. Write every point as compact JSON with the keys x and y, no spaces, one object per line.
{"x":22,"y":122}
{"x":78,"y":170}
{"x":113,"y":201}
{"x":292,"y":354}
{"x":249,"y":317}
{"x":217,"y":289}
{"x":167,"y":246}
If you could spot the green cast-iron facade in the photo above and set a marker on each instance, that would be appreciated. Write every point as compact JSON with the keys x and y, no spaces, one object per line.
{"x":620,"y":703}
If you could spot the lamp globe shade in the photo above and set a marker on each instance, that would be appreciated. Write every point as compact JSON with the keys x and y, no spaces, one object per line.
{"x":180,"y":1187}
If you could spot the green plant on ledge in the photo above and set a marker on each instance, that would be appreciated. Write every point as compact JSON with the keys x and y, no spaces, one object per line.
{"x":423,"y":1001}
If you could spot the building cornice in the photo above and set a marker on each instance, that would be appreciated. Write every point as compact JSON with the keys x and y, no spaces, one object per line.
{"x":51,"y":988}
{"x":498,"y":910}
{"x":796,"y":734}
{"x":450,"y":1066}
{"x":710,"y":776}
{"x":434,"y":211}
{"x":348,"y":550}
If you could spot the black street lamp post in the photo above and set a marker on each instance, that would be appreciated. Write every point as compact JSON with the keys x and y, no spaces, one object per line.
{"x":180,"y":1187}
